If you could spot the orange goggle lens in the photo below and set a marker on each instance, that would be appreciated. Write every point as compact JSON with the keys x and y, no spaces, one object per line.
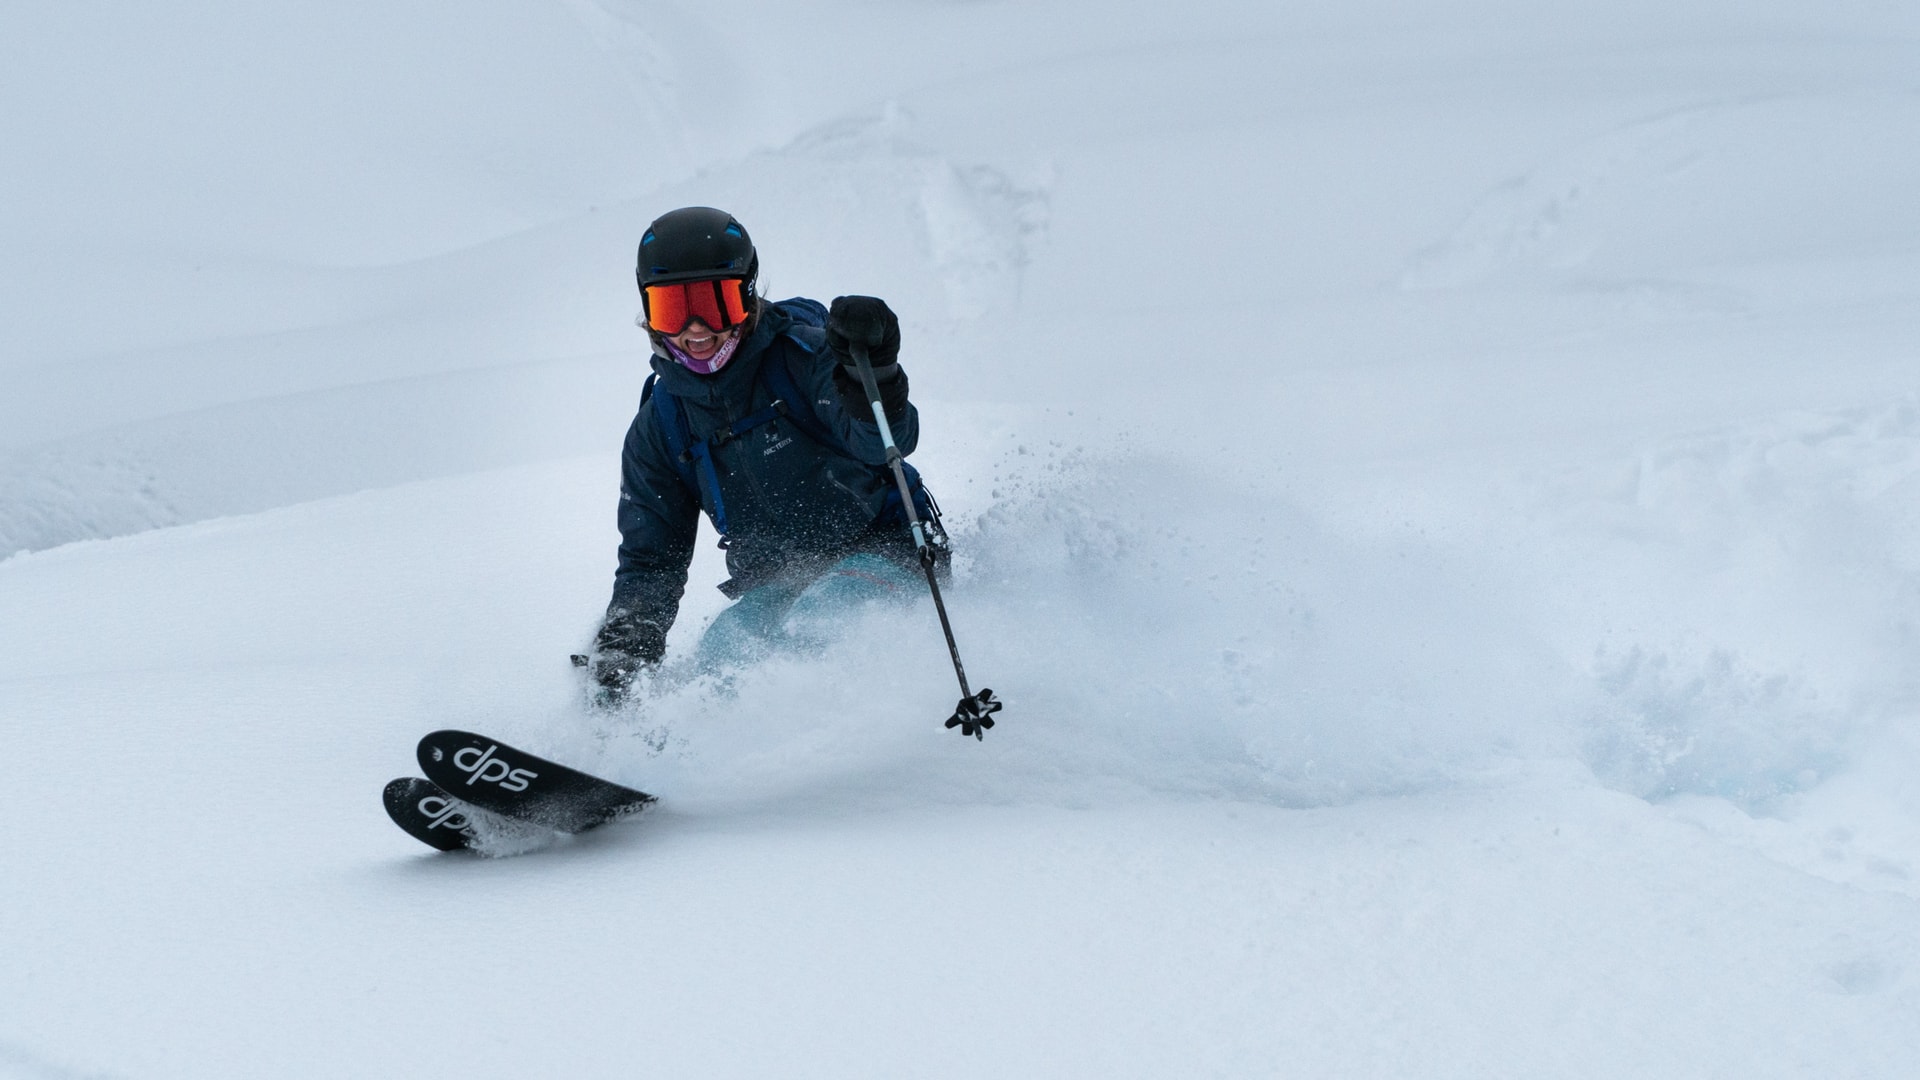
{"x":719,"y":303}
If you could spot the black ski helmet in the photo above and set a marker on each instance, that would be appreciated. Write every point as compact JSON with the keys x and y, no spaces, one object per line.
{"x":696,"y":243}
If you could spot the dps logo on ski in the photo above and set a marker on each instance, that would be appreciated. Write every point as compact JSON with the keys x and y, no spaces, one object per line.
{"x":444,"y":812}
{"x":481,"y":765}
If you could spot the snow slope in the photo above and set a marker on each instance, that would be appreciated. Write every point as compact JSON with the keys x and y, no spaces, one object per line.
{"x":1438,"y":487}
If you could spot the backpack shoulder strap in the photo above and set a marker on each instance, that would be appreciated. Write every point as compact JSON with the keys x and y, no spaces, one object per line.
{"x":672,"y":422}
{"x":804,"y":311}
{"x":692,"y":460}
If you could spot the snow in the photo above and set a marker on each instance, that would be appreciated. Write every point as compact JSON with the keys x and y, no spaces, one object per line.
{"x":1437,"y":485}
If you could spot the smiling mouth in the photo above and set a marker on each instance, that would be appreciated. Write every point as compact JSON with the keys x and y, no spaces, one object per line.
{"x":702,"y":345}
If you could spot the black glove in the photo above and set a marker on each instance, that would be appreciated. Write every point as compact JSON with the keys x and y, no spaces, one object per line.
{"x":625,"y":644}
{"x":869,"y":321}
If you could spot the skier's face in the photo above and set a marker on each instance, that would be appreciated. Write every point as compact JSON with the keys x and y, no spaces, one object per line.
{"x":699,"y":341}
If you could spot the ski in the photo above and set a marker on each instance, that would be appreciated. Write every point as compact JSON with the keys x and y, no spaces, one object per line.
{"x":513,"y":783}
{"x":425,"y":811}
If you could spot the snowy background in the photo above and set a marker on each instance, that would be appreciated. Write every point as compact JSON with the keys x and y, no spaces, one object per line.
{"x":1438,"y":486}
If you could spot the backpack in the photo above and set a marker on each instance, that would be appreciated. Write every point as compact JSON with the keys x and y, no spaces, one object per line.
{"x":693,"y":460}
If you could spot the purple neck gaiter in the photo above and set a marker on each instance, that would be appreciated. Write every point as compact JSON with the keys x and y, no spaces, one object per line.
{"x":703,"y":367}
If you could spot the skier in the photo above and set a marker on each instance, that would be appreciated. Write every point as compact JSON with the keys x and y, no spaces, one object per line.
{"x":755,"y":415}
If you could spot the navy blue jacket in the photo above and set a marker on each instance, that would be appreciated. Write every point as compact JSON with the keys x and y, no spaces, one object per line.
{"x":793,"y":506}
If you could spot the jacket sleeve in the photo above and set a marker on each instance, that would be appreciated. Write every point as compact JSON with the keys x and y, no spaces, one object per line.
{"x":659,"y":521}
{"x":841,"y":403}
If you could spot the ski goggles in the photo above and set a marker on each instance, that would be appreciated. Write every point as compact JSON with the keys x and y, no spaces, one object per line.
{"x":719,"y":302}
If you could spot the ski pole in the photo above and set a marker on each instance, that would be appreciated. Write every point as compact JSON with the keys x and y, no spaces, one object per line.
{"x":975,"y":712}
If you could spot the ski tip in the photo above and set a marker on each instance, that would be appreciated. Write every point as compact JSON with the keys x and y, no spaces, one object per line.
{"x":435,"y":745}
{"x":449,"y":735}
{"x":424,"y":811}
